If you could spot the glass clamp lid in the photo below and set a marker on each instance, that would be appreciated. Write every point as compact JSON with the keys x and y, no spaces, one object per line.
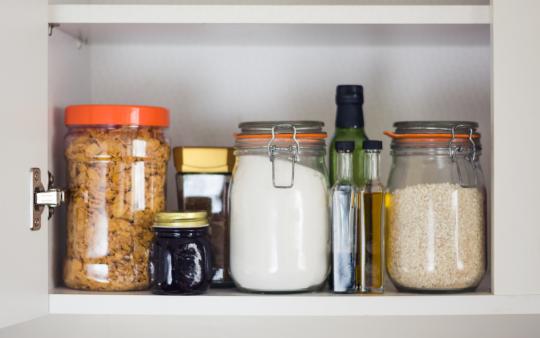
{"x":457,"y":139}
{"x":282,"y":139}
{"x":461,"y":136}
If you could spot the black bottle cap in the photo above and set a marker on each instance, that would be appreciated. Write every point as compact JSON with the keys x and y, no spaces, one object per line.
{"x":350,"y":94}
{"x":345,"y":146}
{"x":372,"y":145}
{"x":349,"y":100}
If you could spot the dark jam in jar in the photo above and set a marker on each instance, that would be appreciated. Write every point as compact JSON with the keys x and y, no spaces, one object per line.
{"x":181,"y":254}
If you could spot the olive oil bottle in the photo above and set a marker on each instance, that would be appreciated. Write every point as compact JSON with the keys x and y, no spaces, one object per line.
{"x":349,"y":127}
{"x":370,"y":258}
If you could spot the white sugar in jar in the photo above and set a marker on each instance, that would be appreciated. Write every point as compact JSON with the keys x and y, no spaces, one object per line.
{"x":280,"y":234}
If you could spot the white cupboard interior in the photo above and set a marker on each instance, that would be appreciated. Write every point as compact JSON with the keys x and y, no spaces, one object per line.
{"x":213,"y":76}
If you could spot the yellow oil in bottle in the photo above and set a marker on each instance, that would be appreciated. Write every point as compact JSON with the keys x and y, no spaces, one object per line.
{"x":369,"y":269}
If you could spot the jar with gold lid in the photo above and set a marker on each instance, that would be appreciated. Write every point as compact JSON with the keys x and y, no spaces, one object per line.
{"x":181,"y":255}
{"x":203,"y":178}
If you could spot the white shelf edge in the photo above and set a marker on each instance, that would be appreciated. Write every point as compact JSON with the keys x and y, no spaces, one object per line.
{"x":270,"y":14}
{"x":237,"y":304}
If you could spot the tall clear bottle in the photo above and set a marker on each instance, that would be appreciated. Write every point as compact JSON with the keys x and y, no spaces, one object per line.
{"x":370,"y":254}
{"x":343,"y":195}
{"x":349,"y":127}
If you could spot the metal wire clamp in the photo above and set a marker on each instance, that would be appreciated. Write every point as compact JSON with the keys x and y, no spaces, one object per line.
{"x":292,"y":150}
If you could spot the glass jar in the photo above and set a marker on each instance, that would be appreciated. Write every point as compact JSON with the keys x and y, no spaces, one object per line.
{"x":436,"y":207}
{"x":117,"y":168}
{"x":203,"y":178}
{"x":181,"y":254}
{"x":280,"y":234}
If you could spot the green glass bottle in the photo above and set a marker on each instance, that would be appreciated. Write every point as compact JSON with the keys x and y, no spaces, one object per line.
{"x":349,"y":127}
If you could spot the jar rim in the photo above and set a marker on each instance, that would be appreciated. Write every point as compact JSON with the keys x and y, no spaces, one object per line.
{"x":267,"y":127}
{"x":455,"y":136}
{"x":182,"y":219}
{"x":281,"y":137}
{"x":435,"y":127}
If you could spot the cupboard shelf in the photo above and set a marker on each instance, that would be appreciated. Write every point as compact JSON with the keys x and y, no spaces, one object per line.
{"x":233,"y":303}
{"x":270,"y":14}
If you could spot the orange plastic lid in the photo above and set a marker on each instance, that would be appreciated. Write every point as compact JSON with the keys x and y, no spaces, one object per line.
{"x":123,"y":115}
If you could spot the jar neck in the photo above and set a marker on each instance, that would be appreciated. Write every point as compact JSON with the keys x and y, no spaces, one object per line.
{"x":433,"y":151}
{"x":283,"y":147}
{"x":344,"y":167}
{"x":458,"y":147}
{"x":180,"y":232}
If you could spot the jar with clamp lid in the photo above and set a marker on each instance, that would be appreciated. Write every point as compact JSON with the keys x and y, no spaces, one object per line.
{"x":436,"y":207}
{"x":280,"y":235}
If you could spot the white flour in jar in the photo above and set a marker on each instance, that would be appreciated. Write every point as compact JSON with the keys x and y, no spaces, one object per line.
{"x":280,"y":238}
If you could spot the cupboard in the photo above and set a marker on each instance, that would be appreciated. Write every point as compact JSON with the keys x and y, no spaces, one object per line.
{"x":218,"y":63}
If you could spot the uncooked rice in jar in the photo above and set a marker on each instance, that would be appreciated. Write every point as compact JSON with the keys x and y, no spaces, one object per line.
{"x":436,"y":237}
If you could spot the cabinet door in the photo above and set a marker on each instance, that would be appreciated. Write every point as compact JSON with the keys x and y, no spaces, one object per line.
{"x":516,"y":119}
{"x":23,"y":139}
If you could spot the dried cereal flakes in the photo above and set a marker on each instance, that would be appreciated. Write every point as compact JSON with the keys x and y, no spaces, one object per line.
{"x":116,"y":184}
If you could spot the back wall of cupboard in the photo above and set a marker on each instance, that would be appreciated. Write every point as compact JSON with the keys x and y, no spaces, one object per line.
{"x":212,"y":77}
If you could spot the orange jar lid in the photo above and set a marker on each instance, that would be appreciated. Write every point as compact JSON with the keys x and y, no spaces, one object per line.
{"x":122,"y":115}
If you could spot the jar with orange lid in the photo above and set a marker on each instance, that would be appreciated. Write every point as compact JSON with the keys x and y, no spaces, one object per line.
{"x":280,"y":234}
{"x":436,"y":207}
{"x":117,"y":167}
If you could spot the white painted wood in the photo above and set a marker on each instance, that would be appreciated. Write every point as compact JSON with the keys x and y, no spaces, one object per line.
{"x":70,"y":326}
{"x":273,"y":2}
{"x":516,"y":117}
{"x":23,"y":93}
{"x":231,"y":303}
{"x":68,"y":83}
{"x":222,"y":75}
{"x":271,"y":14}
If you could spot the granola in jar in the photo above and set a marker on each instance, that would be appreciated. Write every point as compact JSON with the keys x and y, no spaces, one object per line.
{"x":117,"y":168}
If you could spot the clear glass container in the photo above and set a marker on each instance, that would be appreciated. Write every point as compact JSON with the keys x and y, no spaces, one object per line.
{"x":203,"y":178}
{"x":181,"y":254}
{"x":280,"y":233}
{"x":343,"y":197}
{"x":436,"y":208}
{"x":370,"y":259}
{"x":117,"y":168}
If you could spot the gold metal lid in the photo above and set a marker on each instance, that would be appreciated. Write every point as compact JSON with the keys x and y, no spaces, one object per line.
{"x":181,"y":219}
{"x":204,"y":159}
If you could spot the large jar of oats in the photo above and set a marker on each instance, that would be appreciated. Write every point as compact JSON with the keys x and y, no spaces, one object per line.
{"x":436,"y":207}
{"x":117,"y":167}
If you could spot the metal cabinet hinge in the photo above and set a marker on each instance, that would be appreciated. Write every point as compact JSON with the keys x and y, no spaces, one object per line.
{"x":52,"y":26}
{"x":51,"y":198}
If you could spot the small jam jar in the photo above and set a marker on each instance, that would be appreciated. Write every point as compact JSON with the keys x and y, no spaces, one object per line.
{"x":181,"y":254}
